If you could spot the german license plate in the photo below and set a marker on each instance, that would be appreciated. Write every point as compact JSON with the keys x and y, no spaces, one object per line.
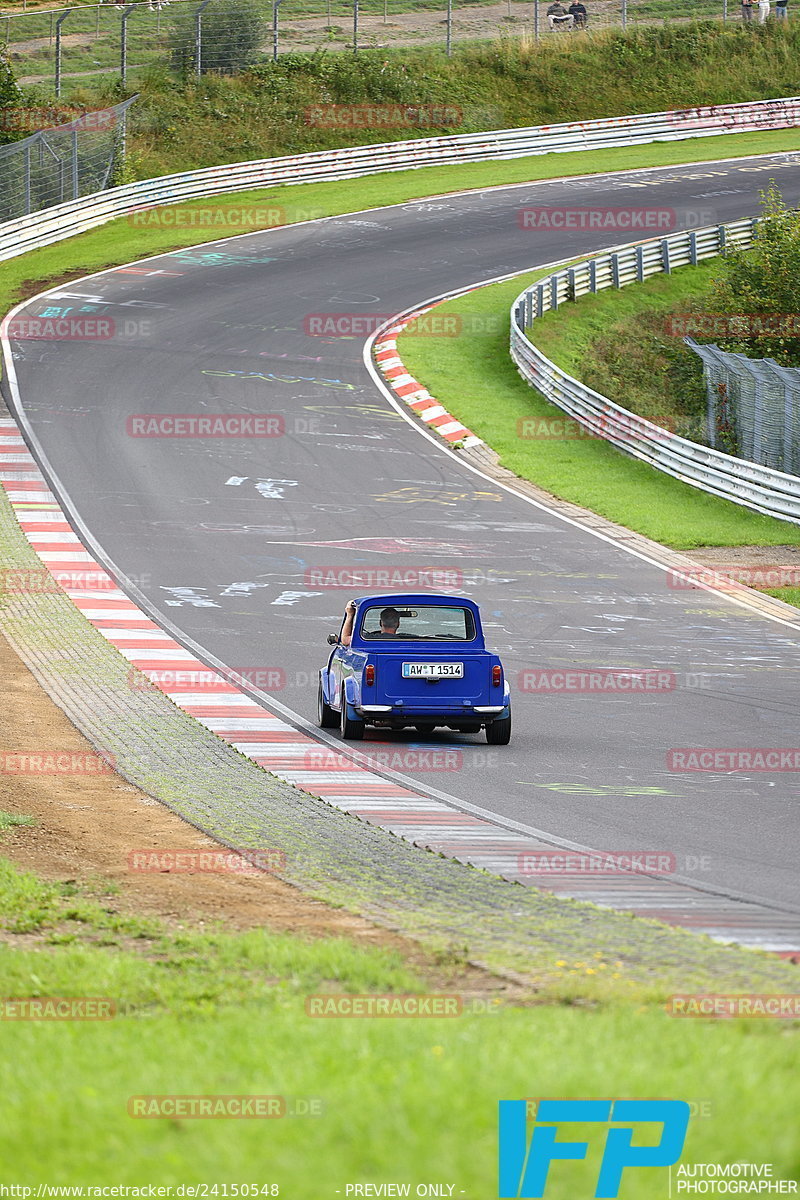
{"x":423,"y":670}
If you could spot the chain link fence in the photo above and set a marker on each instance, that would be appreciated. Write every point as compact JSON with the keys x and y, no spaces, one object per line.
{"x":753,"y":407}
{"x":54,"y":46}
{"x":61,"y":163}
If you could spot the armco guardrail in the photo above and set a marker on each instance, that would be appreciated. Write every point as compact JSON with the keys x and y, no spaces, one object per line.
{"x":760,"y":488}
{"x":65,"y":220}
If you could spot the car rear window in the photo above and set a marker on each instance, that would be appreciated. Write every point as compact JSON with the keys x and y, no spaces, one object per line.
{"x":419,"y":622}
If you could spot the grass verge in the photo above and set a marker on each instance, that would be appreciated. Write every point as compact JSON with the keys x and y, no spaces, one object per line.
{"x":215,"y":1013}
{"x":477,"y":382}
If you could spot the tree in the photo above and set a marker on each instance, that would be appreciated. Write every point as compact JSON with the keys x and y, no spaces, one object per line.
{"x":232,"y":36}
{"x":762,"y":285}
{"x":10,"y":97}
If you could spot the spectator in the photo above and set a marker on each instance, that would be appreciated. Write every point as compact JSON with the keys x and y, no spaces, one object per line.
{"x":763,"y":11}
{"x":747,"y":11}
{"x":780,"y":9}
{"x":558,"y":16}
{"x":579,"y":15}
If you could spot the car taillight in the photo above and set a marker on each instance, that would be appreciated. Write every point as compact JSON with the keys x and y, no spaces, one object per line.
{"x":497,"y":675}
{"x":369,"y":675}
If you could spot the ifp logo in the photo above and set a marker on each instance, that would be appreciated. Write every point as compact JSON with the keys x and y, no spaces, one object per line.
{"x":524,"y":1164}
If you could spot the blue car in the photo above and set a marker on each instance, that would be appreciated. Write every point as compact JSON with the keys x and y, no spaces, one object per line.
{"x":413,"y":660}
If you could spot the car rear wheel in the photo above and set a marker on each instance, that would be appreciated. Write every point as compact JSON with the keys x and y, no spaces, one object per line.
{"x":499,"y":732}
{"x":351,"y":728}
{"x":327,"y":717}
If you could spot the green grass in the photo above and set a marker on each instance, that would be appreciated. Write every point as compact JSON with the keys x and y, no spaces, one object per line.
{"x":398,"y":1099}
{"x":476,"y":381}
{"x":789,"y":595}
{"x":9,"y":820}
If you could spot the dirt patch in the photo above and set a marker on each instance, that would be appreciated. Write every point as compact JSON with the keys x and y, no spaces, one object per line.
{"x":87,"y":825}
{"x":747,"y":556}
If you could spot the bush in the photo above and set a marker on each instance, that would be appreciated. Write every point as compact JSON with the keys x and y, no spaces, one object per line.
{"x":764,"y":280}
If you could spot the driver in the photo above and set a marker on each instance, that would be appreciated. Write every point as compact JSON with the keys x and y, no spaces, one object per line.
{"x":389,"y":624}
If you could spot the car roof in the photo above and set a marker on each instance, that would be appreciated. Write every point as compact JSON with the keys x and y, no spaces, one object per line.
{"x":392,"y":600}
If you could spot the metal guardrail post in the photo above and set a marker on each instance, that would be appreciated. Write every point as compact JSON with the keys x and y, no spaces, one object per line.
{"x":615,"y":269}
{"x":449,"y":43}
{"x":640,"y":264}
{"x":59,"y":23}
{"x":665,"y":256}
{"x":693,"y":248}
{"x":123,"y":43}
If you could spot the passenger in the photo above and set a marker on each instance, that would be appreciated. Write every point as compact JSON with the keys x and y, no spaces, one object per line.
{"x":389,"y":624}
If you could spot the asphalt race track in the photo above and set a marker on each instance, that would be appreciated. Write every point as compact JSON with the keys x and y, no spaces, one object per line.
{"x":223,"y":536}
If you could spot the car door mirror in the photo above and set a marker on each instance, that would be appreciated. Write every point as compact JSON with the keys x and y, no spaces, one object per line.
{"x":333,"y":639}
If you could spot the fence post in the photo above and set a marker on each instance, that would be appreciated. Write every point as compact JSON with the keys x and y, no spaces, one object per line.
{"x":449,"y":27}
{"x":59,"y":23}
{"x":198,"y":38}
{"x":74,"y":148}
{"x":27,"y":170}
{"x":536,"y":20}
{"x":123,"y":43}
{"x":275,"y":4}
{"x":624,"y":14}
{"x":355,"y":26}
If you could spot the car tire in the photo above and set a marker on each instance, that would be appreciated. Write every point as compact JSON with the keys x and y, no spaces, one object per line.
{"x":351,"y":728}
{"x":498,"y":733}
{"x":327,"y":717}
